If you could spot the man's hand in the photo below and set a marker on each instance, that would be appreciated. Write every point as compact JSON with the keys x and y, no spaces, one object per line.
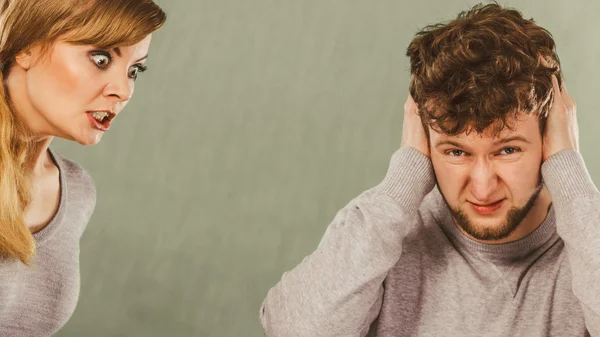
{"x":562,"y":132}
{"x":413,"y":134}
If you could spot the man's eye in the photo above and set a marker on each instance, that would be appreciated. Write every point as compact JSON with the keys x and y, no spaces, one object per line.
{"x":455,"y":153}
{"x":509,"y":150}
{"x":101,"y":60}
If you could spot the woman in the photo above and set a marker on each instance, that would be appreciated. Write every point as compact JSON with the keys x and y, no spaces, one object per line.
{"x":68,"y":68}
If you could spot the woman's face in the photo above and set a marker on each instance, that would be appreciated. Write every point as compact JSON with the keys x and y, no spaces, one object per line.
{"x":74,"y":91}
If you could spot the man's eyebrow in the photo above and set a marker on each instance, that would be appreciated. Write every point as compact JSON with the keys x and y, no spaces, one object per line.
{"x":497,"y":142}
{"x":448,"y":142}
{"x":510,"y":139}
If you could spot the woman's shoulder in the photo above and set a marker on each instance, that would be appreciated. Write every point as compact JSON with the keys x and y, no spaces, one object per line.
{"x":76,"y":176}
{"x":78,"y":191}
{"x":69,"y":166}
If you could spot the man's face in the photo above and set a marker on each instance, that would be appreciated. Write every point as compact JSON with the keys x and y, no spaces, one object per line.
{"x":489,"y":183}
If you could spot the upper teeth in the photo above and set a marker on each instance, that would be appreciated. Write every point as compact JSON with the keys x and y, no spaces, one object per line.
{"x":99,"y":115}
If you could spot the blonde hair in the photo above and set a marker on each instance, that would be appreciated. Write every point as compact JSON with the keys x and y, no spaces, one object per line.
{"x":27,"y":23}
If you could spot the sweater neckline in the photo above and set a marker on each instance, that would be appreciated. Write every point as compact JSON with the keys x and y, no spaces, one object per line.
{"x":42,"y":235}
{"x":509,"y":251}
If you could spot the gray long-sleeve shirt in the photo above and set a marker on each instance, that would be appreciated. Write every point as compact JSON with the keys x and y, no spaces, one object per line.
{"x":392,"y":263}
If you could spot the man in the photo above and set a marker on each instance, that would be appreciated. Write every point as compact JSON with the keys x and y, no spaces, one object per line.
{"x":487,"y":222}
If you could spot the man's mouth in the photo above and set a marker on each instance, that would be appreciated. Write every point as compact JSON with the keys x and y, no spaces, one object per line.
{"x":487,"y":208}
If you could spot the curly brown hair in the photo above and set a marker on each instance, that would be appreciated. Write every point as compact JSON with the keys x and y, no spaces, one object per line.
{"x":480,"y":70}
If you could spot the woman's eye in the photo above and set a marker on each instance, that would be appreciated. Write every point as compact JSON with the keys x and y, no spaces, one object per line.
{"x":101,"y":60}
{"x":135,"y":70}
{"x":133,"y":73}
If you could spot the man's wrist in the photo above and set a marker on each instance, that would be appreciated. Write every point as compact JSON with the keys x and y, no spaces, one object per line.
{"x":409,"y":177}
{"x":567,"y":177}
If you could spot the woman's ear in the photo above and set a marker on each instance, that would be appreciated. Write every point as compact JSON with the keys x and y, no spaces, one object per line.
{"x":26,"y":58}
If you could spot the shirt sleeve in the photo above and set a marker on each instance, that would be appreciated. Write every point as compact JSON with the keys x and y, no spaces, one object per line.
{"x":337,"y":290}
{"x":577,"y":203}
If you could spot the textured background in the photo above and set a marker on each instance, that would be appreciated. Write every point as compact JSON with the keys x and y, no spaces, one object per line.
{"x":256,"y":122}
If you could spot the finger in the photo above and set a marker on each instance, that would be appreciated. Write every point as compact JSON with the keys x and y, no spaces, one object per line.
{"x":544,"y":62}
{"x":411,"y":105}
{"x":548,"y":62}
{"x":565,"y":95}
{"x":557,"y":94}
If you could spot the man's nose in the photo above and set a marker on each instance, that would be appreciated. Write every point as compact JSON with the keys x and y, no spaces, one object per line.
{"x":484,"y":182}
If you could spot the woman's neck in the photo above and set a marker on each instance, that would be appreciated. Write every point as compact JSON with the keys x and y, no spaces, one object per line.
{"x":39,"y":159}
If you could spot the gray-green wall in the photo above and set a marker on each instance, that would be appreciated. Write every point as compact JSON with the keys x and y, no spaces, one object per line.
{"x":256,"y":122}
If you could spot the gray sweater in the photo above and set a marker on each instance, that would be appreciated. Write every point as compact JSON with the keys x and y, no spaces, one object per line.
{"x":37,"y":301}
{"x":392,"y":263}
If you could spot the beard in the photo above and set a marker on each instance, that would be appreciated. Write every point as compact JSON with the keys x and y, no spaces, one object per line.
{"x":514,"y":217}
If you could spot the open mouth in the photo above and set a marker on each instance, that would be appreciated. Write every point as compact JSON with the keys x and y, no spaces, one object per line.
{"x":100,"y":119}
{"x":100,"y":116}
